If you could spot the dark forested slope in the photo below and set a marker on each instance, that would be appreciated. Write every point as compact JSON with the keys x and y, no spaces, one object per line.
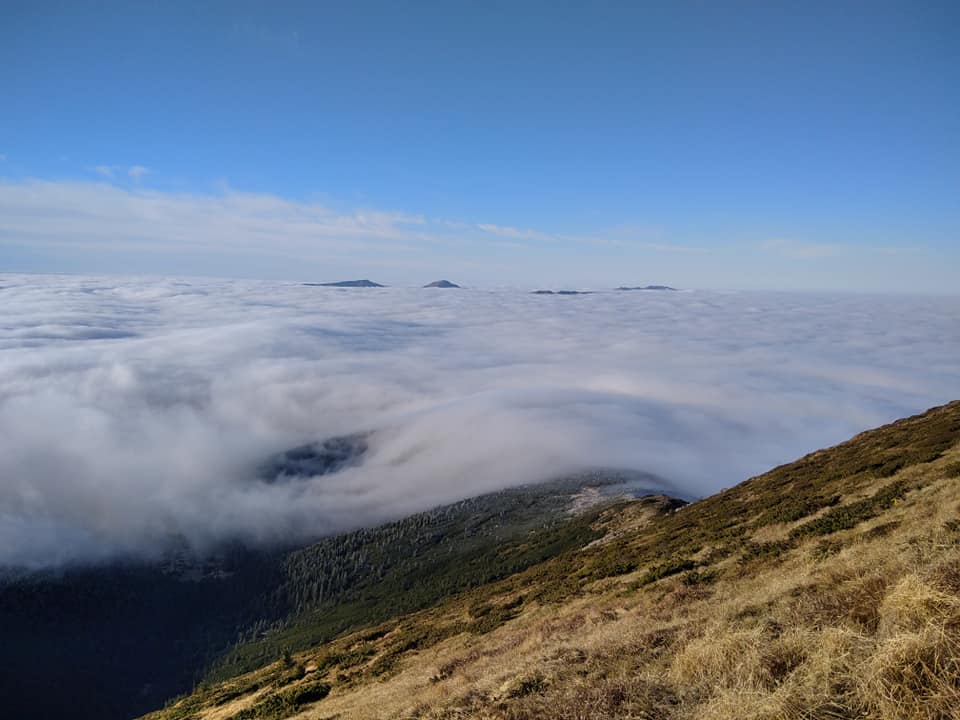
{"x":113,"y":642}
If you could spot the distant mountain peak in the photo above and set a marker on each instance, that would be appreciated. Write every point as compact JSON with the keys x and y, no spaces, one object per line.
{"x":647,"y":287}
{"x":441,"y":284}
{"x":561,"y":292}
{"x":347,"y":283}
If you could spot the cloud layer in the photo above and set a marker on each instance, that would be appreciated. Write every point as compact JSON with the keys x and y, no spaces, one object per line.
{"x":133,"y":409}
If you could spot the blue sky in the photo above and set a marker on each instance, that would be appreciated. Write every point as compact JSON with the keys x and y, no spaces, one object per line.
{"x":775,"y":145}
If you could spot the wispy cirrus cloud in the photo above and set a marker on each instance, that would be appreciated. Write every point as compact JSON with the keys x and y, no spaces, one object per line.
{"x":516,"y":233}
{"x":812,"y":251}
{"x":80,"y":213}
{"x":124,"y":222}
{"x":612,"y":239}
{"x":110,"y":215}
{"x":109,"y":172}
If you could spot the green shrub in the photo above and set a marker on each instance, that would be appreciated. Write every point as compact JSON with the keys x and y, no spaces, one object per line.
{"x":277,"y":706}
{"x":845,"y":517}
{"x":671,"y":567}
{"x":793,"y":509}
{"x":309,"y":693}
{"x":765,"y":550}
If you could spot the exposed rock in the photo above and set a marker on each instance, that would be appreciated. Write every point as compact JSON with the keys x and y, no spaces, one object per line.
{"x":347,"y":283}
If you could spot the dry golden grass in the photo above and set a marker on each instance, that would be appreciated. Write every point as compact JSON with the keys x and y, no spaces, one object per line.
{"x":914,"y":675}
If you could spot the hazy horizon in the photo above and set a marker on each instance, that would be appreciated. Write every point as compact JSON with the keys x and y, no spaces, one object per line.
{"x":415,"y":284}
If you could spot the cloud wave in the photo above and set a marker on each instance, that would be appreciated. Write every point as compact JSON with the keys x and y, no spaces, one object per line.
{"x":135,"y":409}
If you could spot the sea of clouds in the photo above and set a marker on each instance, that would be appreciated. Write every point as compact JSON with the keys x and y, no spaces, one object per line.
{"x":133,"y":410}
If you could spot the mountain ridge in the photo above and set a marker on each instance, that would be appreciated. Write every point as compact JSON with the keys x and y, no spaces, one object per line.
{"x":347,"y":283}
{"x":647,"y":287}
{"x":169,"y":624}
{"x":734,"y":605}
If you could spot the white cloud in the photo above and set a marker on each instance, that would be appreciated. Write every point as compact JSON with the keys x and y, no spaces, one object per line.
{"x":613,"y":240}
{"x":515,"y":233}
{"x":109,"y":172}
{"x":79,"y":214}
{"x":132,"y":409}
{"x":121,"y":224}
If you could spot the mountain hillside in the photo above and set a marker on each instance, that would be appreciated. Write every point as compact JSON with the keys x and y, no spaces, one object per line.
{"x":150,"y":631}
{"x":825,"y":588}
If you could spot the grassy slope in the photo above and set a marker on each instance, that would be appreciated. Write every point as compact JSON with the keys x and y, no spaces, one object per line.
{"x":826,"y":588}
{"x":411,"y":564}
